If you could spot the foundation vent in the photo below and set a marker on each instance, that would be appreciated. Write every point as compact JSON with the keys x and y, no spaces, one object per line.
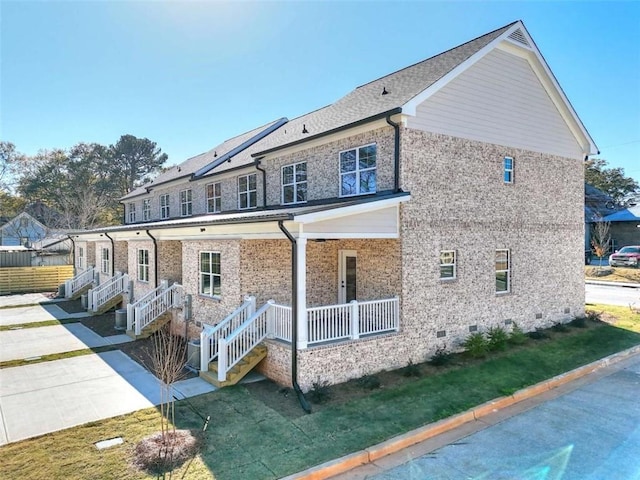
{"x":473,"y":328}
{"x":441,"y":333}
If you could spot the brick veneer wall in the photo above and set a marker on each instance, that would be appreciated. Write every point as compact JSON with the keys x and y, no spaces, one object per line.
{"x":89,"y":255}
{"x":121,"y":256}
{"x":170,"y":260}
{"x":98,"y":259}
{"x":141,"y":288}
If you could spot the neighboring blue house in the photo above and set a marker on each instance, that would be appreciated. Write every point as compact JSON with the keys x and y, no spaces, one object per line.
{"x":22,"y":230}
{"x":597,"y":205}
{"x":625,"y":227}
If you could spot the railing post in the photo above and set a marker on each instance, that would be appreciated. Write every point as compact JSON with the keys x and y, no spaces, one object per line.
{"x":355,"y":320}
{"x":67,"y":288}
{"x":396,"y":312}
{"x":222,"y":360}
{"x":251,"y":309}
{"x":204,"y":350}
{"x":271,"y":321}
{"x":137,"y":317}
{"x":130,"y":314}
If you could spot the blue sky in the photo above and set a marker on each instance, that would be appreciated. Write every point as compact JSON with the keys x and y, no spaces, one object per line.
{"x":189,"y":75}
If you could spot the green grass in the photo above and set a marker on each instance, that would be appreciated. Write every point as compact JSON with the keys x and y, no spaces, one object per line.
{"x":248,"y":440}
{"x":621,"y":317}
{"x":44,"y":323}
{"x":57,"y":356}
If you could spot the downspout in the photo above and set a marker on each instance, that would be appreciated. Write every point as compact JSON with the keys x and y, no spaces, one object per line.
{"x":264,"y":182}
{"x":113,"y":254}
{"x":396,"y":154}
{"x":73,"y":256}
{"x":155,"y":259}
{"x":294,"y":319}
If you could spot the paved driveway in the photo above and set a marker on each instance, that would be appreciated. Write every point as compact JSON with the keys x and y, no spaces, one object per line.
{"x":591,"y":433}
{"x":34,"y":314}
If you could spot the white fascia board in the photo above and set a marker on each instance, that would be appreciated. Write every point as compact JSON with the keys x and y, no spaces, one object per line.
{"x":349,"y":210}
{"x":342,"y":236}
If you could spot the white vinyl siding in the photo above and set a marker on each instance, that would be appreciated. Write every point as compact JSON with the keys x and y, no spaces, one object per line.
{"x":498,"y":100}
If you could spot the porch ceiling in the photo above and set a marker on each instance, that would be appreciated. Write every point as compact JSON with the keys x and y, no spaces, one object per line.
{"x":359,"y":218}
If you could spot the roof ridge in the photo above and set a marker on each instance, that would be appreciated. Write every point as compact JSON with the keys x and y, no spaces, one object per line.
{"x":439,"y":54}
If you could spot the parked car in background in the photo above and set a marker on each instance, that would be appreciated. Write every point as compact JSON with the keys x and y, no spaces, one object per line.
{"x":626,"y":257}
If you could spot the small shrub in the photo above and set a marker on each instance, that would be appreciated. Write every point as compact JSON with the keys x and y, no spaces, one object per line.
{"x":441,"y":357}
{"x":517,"y":336}
{"x":411,"y":370}
{"x":476,"y":345}
{"x":579,"y":322}
{"x":560,"y":327}
{"x":320,"y":392}
{"x":369,"y":382}
{"x":538,"y":334}
{"x":593,"y":316}
{"x":497,"y":339}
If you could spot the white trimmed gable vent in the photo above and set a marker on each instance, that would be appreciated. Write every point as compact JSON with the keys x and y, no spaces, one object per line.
{"x":518,"y":36}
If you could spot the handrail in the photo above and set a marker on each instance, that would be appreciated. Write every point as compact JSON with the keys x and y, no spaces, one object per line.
{"x":106,"y":291}
{"x":242,"y":340}
{"x":146,"y":313}
{"x":131,"y":319}
{"x":77,"y":283}
{"x":211,"y":334}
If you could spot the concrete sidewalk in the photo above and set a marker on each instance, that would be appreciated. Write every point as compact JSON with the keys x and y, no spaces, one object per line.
{"x":35,"y":342}
{"x":35,"y":313}
{"x":25,"y":299}
{"x":49,"y":396}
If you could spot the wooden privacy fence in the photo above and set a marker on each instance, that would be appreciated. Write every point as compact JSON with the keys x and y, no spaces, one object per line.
{"x":33,"y":279}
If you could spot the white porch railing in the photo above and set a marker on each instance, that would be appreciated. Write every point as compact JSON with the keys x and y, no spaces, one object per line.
{"x":100,"y":295}
{"x":211,"y":334}
{"x":147,"y":312}
{"x":280,"y":322}
{"x":242,"y":340}
{"x":77,"y":283}
{"x":131,"y":307}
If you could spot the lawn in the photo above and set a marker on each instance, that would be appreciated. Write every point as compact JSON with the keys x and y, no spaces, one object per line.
{"x":621,"y":317}
{"x":613,"y":274}
{"x":250,"y":438}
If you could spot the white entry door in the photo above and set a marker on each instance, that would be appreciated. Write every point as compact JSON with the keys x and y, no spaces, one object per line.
{"x":347,"y":277}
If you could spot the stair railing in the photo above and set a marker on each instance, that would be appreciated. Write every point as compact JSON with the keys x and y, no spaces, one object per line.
{"x":131,"y":307}
{"x":211,"y":334}
{"x":155,"y":307}
{"x":80,"y":281}
{"x":99,"y":296}
{"x":242,"y":340}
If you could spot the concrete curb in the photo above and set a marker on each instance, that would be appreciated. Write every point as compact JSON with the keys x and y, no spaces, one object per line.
{"x":395,"y":444}
{"x":612,"y":284}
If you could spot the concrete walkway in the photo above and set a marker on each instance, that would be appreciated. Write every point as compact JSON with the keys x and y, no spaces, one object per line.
{"x":35,"y":313}
{"x":26,"y":299}
{"x":35,"y":342}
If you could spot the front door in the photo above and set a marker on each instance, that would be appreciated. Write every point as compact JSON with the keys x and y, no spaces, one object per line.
{"x":347,"y":281}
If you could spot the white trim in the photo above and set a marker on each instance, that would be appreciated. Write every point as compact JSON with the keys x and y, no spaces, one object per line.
{"x":349,"y":210}
{"x":211,"y":275}
{"x":453,"y":264}
{"x":146,"y":212}
{"x":510,"y":170}
{"x":342,"y":274}
{"x":143,"y":265}
{"x":247,"y":192}
{"x":294,"y":184}
{"x":188,"y":202}
{"x":167,"y":206}
{"x":214,"y":197}
{"x":357,"y":170}
{"x":411,"y":106}
{"x":508,"y":270}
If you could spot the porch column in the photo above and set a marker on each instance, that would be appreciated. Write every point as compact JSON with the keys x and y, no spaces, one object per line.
{"x":301,"y":289}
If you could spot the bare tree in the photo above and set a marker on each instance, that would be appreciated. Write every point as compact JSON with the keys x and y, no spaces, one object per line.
{"x":601,"y":240}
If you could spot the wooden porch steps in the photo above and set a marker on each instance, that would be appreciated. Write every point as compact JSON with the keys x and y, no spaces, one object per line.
{"x":81,"y":292}
{"x":153,"y":327}
{"x":114,"y":302}
{"x":239,"y":371}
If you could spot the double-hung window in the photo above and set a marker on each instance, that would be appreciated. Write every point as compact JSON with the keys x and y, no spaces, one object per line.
{"x":210,"y":276}
{"x":105,"y":263}
{"x":294,"y":183}
{"x":503,"y":271}
{"x":508,"y":169}
{"x":132,"y":212}
{"x":247,"y":192}
{"x":447,"y":264}
{"x":358,"y":171}
{"x":186,"y":203}
{"x":214,"y":198}
{"x":143,"y":265}
{"x":146,"y":210}
{"x":164,"y":206}
{"x":81,"y":258}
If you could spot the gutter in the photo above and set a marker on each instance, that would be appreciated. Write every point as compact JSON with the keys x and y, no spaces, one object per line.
{"x":264,"y":182}
{"x":113,"y":254}
{"x":73,"y":249}
{"x":294,"y":319}
{"x":396,"y":154}
{"x":155,"y":259}
{"x":330,"y":132}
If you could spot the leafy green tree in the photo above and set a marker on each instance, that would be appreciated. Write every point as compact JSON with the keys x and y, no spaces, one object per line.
{"x":9,"y":160}
{"x":612,"y":181}
{"x":133,"y":161}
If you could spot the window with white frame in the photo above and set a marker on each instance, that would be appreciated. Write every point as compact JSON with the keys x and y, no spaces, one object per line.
{"x":210,"y":276}
{"x":247,"y":192}
{"x":508,"y":169}
{"x":146,"y":210}
{"x":132,"y":212}
{"x":105,"y":263}
{"x":186,"y":204}
{"x":143,"y":265}
{"x":448,"y":265}
{"x":164,"y":206}
{"x":214,"y":198}
{"x":294,"y":183}
{"x":358,"y":171}
{"x":81,"y":258}
{"x":503,"y":271}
